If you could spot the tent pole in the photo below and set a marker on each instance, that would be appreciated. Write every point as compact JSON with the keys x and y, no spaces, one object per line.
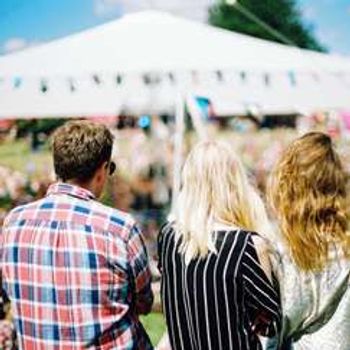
{"x":178,"y":148}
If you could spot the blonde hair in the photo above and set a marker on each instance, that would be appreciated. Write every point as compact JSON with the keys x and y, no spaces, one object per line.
{"x":215,"y":188}
{"x":308,"y":190}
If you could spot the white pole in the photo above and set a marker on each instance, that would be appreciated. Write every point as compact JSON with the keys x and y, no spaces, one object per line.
{"x":178,"y":148}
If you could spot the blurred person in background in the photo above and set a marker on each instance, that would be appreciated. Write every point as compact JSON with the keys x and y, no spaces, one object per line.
{"x":76,"y":271}
{"x":7,"y":331}
{"x":217,"y":287}
{"x":308,"y":191}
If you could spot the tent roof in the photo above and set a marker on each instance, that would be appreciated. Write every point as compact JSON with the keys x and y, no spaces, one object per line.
{"x":156,"y":41}
{"x":77,"y":75}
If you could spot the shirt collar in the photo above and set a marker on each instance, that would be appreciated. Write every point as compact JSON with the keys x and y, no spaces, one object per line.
{"x":71,"y":190}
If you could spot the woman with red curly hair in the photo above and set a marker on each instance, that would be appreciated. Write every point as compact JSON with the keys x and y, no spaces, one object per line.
{"x":308,"y":191}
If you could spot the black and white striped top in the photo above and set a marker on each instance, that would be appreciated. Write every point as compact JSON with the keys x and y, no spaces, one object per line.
{"x":220,"y":301}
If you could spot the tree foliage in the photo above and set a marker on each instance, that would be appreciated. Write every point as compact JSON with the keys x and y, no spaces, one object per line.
{"x":282,"y":15}
{"x":45,"y":126}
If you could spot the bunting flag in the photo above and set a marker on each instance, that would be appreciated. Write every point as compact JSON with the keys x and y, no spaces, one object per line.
{"x":200,"y":109}
{"x":231,"y":92}
{"x":205,"y":107}
{"x":192,"y":78}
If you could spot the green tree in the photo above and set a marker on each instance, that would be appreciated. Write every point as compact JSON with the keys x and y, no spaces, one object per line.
{"x":46,"y":126}
{"x":282,"y":15}
{"x":35,"y":127}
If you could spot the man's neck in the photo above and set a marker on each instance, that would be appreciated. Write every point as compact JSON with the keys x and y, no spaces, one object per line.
{"x":87,"y":185}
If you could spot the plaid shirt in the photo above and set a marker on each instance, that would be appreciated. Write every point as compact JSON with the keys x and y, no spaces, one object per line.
{"x":76,"y":273}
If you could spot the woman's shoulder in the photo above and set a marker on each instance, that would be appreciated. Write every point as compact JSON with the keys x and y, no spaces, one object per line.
{"x":166,"y":231}
{"x":260,"y":249}
{"x":226,"y":235}
{"x":167,"y":227}
{"x":232,"y":230}
{"x":262,"y":245}
{"x":253,"y":244}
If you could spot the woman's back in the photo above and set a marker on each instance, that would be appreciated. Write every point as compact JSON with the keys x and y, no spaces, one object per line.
{"x":316,"y":305}
{"x":334,"y":335}
{"x":220,"y":301}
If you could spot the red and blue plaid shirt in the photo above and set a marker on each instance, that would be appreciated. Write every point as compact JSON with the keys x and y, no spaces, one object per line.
{"x":76,"y":273}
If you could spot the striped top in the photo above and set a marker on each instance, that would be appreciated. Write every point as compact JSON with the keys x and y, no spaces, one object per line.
{"x":218,"y":302}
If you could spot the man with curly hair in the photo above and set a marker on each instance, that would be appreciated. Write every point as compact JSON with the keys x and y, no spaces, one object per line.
{"x":75,"y":270}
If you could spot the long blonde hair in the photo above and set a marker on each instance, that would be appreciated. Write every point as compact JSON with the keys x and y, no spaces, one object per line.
{"x":308,"y":190}
{"x":215,"y":189}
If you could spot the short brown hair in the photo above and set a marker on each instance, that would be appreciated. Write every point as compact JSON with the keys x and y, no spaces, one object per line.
{"x":80,"y":148}
{"x":309,"y":191}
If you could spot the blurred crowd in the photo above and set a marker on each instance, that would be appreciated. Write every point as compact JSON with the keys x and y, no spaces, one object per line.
{"x":144,"y":153}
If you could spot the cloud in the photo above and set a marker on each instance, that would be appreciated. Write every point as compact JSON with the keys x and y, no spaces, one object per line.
{"x":105,"y":8}
{"x":329,"y":35}
{"x":309,"y":13}
{"x":16,"y":44}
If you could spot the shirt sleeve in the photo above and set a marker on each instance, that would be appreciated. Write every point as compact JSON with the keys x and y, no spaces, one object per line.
{"x":2,"y":292}
{"x":138,"y":259}
{"x":262,"y":299}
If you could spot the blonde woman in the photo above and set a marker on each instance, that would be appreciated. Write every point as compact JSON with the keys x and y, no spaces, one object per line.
{"x":217,"y":288}
{"x":309,"y":193}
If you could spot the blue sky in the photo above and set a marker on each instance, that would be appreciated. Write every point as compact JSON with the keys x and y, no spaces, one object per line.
{"x":331,"y":19}
{"x":27,"y":22}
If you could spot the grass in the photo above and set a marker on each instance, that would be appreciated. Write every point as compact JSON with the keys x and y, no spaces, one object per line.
{"x":17,"y":155}
{"x":155,"y":326}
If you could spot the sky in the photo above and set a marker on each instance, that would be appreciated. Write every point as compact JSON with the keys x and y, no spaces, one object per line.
{"x":31,"y":22}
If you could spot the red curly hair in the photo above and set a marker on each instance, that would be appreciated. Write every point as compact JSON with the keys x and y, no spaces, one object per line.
{"x":309,"y":192}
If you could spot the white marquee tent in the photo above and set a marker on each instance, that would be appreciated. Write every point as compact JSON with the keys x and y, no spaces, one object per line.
{"x":142,"y":62}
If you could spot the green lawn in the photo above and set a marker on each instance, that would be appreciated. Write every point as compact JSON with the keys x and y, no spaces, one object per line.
{"x":17,"y":155}
{"x":155,"y":326}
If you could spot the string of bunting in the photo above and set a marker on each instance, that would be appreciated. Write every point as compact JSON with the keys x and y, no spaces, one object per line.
{"x":171,"y":78}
